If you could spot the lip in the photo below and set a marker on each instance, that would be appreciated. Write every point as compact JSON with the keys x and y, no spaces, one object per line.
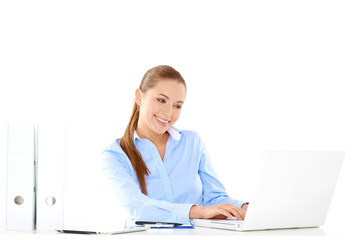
{"x":162,"y":121}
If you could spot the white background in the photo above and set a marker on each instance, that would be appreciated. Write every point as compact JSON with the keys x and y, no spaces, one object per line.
{"x":261,"y":75}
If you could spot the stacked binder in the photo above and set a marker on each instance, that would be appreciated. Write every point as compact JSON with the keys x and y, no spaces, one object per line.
{"x":20,"y":200}
{"x":35,"y":177}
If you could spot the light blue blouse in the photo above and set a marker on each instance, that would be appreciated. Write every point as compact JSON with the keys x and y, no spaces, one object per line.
{"x":184,"y":178}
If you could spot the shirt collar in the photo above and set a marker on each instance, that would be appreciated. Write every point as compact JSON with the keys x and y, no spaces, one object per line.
{"x":173,"y":132}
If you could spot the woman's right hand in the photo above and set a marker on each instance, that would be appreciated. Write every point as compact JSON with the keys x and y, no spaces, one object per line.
{"x":220,"y":211}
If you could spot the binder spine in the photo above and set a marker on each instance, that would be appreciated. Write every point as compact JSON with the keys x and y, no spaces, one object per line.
{"x":20,"y":195}
{"x":35,"y":173}
{"x":50,"y":176}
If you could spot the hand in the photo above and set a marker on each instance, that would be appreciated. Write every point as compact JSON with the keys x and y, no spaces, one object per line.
{"x":220,"y":211}
{"x":245,"y":207}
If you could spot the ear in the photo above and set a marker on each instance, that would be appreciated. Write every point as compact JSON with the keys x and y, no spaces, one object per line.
{"x":138,"y":96}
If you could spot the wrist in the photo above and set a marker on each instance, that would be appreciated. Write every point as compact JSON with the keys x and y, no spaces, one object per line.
{"x":195,"y":212}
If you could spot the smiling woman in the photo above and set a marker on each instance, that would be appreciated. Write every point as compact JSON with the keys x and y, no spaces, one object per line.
{"x":160,"y":173}
{"x":144,"y":117}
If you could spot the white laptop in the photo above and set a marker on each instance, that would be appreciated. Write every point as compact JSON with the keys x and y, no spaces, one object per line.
{"x":295,"y":191}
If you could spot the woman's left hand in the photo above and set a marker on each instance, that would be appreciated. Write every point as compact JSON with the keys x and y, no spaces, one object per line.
{"x":244,"y":207}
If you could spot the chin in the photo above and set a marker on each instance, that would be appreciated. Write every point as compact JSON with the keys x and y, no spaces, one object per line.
{"x":160,"y":130}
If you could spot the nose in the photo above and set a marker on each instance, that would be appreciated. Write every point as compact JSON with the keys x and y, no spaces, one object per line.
{"x":168,"y":111}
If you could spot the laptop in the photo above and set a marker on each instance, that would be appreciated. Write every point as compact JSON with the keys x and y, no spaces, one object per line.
{"x":295,"y":191}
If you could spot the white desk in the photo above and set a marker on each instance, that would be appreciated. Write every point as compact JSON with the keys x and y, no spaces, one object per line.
{"x":197,"y":233}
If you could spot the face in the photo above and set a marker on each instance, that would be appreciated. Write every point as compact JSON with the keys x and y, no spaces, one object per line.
{"x":160,"y":106}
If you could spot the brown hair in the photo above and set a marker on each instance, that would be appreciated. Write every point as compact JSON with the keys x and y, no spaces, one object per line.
{"x":149,"y":80}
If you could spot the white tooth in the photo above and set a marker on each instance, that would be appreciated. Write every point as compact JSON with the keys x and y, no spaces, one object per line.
{"x":161,"y":120}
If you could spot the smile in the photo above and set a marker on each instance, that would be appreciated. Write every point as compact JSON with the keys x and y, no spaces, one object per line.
{"x":162,"y":120}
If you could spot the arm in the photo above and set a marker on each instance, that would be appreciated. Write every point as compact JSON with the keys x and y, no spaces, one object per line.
{"x":217,"y":202}
{"x":213,"y":190}
{"x":128,"y":193}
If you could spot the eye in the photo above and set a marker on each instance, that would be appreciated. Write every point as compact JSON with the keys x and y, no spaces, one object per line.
{"x":178,"y":106}
{"x":160,"y":100}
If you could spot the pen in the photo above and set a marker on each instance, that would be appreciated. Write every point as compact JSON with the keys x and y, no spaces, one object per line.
{"x":76,"y":231}
{"x":157,"y":224}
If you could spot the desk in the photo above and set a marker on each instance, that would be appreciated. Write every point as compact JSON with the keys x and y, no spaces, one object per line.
{"x":197,"y":233}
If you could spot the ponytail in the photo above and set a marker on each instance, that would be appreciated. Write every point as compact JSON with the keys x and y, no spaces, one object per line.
{"x":127,"y":143}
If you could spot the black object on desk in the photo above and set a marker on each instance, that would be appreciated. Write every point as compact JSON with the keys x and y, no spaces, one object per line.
{"x":164,"y":225}
{"x":169,"y":224}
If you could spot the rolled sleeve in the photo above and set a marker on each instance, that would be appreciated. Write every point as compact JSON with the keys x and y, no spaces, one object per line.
{"x":181,"y":211}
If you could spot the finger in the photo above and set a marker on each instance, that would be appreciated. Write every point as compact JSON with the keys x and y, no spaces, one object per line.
{"x":238,"y":216}
{"x":220,"y":217}
{"x":236,"y":212}
{"x":242,"y":213}
{"x":225,"y":213}
{"x":233,"y":210}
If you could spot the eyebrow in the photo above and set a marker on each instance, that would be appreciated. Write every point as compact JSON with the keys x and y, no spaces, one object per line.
{"x":168,"y":98}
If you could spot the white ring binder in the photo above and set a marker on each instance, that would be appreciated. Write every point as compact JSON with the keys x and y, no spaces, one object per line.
{"x":20,"y":197}
{"x":50,"y":176}
{"x":35,"y":177}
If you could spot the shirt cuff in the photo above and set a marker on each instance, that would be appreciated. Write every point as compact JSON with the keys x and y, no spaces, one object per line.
{"x":182,"y":211}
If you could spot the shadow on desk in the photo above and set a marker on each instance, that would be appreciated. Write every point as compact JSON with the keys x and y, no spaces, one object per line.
{"x":213,"y":231}
{"x":197,"y":233}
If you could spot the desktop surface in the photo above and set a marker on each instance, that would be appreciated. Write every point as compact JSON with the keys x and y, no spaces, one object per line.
{"x":196,"y":233}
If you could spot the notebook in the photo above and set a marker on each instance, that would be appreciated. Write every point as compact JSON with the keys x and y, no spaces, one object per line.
{"x":103,"y":230}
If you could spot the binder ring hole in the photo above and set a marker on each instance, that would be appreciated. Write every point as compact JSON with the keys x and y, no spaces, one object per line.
{"x":50,"y":201}
{"x":19,"y":200}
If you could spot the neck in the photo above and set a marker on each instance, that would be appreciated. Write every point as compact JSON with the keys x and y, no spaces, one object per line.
{"x":153,"y":137}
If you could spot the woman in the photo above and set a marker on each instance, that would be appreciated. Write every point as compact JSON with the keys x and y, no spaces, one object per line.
{"x":158,"y":172}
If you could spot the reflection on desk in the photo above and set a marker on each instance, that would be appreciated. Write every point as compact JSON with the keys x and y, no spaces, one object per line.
{"x":197,"y":233}
{"x":213,"y":231}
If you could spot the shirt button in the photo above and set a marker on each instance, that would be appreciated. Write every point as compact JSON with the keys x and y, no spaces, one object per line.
{"x":165,"y":182}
